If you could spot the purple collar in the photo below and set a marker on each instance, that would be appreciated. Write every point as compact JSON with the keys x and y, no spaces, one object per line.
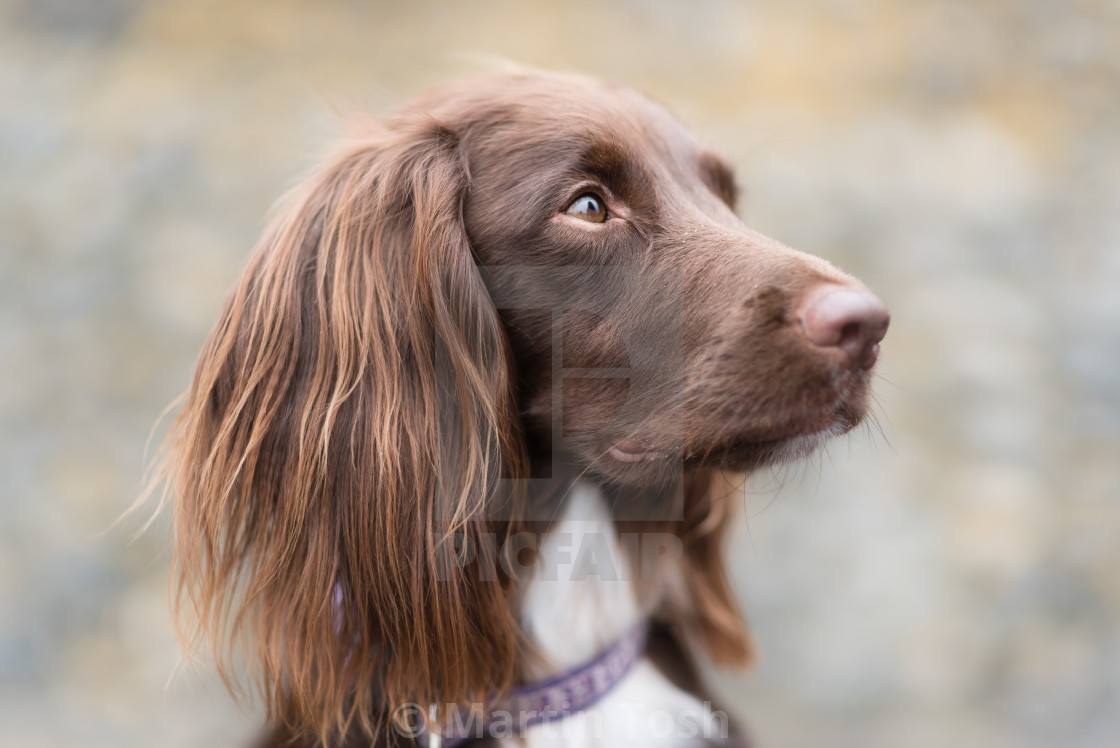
{"x":551,"y":700}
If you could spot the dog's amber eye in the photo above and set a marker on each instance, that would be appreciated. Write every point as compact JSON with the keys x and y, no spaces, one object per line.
{"x":588,"y":208}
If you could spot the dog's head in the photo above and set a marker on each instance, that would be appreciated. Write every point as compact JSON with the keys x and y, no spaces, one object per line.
{"x":517,"y":271}
{"x":651,"y":329}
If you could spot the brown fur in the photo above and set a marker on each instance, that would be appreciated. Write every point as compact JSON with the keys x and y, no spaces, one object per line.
{"x":382,"y":380}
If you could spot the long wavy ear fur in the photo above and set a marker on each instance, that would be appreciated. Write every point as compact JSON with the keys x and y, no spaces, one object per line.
{"x":349,"y":414}
{"x":713,"y":612}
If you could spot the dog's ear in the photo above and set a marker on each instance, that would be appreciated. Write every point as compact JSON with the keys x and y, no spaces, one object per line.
{"x":347,"y":425}
{"x":713,"y":612}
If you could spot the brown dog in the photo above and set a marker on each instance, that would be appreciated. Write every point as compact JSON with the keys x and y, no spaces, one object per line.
{"x":524,"y":303}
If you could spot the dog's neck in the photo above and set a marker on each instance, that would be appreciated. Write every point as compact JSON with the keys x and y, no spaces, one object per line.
{"x":586,"y":591}
{"x":581,"y":594}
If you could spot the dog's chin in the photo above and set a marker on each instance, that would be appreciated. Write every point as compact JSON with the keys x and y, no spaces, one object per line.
{"x":747,"y":454}
{"x":634,"y":463}
{"x":792,"y":442}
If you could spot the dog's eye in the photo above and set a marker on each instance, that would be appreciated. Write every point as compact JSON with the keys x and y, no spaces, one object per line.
{"x":588,"y":207}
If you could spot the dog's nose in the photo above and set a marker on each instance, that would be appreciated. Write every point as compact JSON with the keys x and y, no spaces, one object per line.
{"x":852,"y":320}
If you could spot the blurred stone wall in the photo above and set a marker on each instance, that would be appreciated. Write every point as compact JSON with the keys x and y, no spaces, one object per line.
{"x":945,"y":577}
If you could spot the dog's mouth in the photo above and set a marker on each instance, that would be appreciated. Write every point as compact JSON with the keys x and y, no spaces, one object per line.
{"x":715,"y":426}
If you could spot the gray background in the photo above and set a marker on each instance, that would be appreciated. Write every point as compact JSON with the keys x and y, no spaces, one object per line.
{"x":949,"y":580}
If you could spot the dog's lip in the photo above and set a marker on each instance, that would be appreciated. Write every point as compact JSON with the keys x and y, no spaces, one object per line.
{"x":628,"y":450}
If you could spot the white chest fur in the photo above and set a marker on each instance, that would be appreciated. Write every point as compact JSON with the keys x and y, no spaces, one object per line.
{"x":580,"y":599}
